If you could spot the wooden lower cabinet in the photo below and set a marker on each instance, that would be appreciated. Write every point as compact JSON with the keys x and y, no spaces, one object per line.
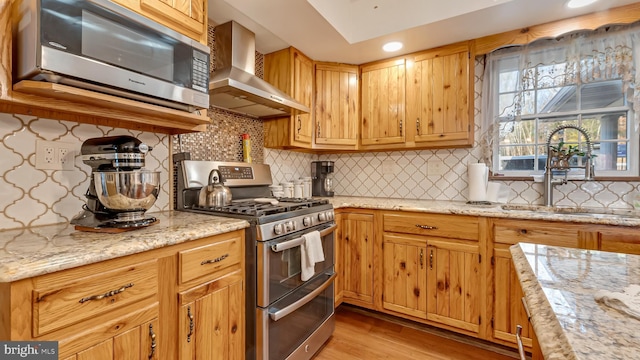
{"x":211,"y":320}
{"x":404,"y":287}
{"x":355,"y":255}
{"x":507,"y":308}
{"x":454,"y":284}
{"x":139,"y":306}
{"x":430,"y":274}
{"x":138,"y":343}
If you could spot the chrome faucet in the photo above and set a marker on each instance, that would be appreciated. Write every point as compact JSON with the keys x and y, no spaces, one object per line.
{"x":549,"y":181}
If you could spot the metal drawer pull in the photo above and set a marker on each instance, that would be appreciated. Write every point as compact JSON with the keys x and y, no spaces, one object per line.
{"x":431,"y":260}
{"x":152,"y":335}
{"x":519,"y":341}
{"x":107,"y":294}
{"x":212,"y":261}
{"x":190,"y":316}
{"x":427,"y":227}
{"x":421,"y":259}
{"x":275,"y":316}
{"x":298,"y":241}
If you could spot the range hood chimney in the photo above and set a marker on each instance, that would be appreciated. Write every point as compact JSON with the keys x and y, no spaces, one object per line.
{"x":234,"y":85}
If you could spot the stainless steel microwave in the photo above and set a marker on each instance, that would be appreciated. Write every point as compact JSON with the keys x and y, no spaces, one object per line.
{"x":102,"y":46}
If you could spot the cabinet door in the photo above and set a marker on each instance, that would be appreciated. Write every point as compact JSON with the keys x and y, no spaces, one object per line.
{"x":336,"y":106}
{"x":357,"y":256}
{"x":405,"y":275}
{"x":438,"y":100}
{"x":303,"y":93}
{"x":210,"y":327}
{"x":509,"y":311}
{"x":138,"y":343}
{"x":383,"y":102}
{"x":187,"y":17}
{"x":454,"y":278}
{"x":625,"y":241}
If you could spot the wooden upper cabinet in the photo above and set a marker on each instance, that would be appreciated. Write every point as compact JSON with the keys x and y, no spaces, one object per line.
{"x":383,"y":103}
{"x":336,"y":106}
{"x":292,"y":72}
{"x":188,"y":17}
{"x":440,"y":96}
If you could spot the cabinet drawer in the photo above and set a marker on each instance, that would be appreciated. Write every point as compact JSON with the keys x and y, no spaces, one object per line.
{"x":448,"y":226}
{"x":82,"y":298}
{"x":210,"y":258}
{"x":556,"y":234}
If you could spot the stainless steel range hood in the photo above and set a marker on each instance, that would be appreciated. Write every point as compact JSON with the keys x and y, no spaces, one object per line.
{"x":234,"y":85}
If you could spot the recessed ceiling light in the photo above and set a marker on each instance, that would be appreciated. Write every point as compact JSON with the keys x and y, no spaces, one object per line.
{"x":574,"y":4}
{"x":392,"y":46}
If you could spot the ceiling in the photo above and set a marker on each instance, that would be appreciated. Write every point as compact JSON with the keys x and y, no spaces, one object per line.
{"x":353,"y":31}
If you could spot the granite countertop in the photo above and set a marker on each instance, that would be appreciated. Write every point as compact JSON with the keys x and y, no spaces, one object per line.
{"x":494,"y":210}
{"x":559,"y":286}
{"x":40,"y":250}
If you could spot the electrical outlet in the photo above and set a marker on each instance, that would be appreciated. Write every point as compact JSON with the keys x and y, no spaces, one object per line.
{"x":435,"y":168}
{"x":54,"y":155}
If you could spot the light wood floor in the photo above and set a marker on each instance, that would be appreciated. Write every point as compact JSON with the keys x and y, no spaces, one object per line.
{"x":361,"y":335}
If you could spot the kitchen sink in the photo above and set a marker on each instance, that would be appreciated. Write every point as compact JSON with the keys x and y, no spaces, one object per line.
{"x":574,"y":211}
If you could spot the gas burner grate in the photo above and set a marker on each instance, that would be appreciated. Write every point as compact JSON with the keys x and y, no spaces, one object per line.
{"x":258,"y":209}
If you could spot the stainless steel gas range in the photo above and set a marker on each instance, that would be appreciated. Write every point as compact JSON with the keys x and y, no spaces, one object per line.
{"x":286,"y":317}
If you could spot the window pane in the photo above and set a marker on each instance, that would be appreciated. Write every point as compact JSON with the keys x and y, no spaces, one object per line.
{"x":506,"y":106}
{"x":611,"y":156}
{"x":528,"y":102}
{"x":517,"y":157}
{"x":557,"y":99}
{"x":508,"y":81}
{"x":546,"y":126}
{"x":611,"y":126}
{"x":602,"y":95}
{"x":517,"y":132}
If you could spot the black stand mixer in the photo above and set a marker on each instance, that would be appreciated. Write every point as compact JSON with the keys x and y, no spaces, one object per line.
{"x":120,"y":191}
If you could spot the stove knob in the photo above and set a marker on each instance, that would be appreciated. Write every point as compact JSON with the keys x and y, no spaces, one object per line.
{"x":278,"y":229}
{"x":290,"y":226}
{"x":306,"y":221}
{"x":322,"y":217}
{"x":329,"y":215}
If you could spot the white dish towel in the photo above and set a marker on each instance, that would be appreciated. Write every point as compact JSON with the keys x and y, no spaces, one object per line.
{"x":311,"y":252}
{"x":627,"y":302}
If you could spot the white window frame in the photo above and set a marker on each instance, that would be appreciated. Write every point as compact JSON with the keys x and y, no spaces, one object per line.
{"x":633,"y":147}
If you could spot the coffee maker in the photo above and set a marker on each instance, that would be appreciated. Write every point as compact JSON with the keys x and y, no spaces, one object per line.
{"x":120,"y":191}
{"x":322,"y":178}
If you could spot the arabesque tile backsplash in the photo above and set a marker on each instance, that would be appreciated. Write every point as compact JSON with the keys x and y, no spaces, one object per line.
{"x":31,"y":197}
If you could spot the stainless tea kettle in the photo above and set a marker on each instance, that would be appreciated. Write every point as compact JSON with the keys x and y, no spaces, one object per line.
{"x":215,"y":194}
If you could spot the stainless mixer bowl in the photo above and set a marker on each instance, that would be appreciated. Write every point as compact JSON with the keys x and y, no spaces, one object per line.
{"x":127,"y":190}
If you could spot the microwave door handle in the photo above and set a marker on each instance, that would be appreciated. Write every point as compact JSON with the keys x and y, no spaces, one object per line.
{"x":298,"y":241}
{"x":275,"y":316}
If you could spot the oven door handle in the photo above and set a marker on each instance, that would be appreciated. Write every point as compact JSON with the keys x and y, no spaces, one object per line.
{"x":275,"y":316}
{"x":298,"y":241}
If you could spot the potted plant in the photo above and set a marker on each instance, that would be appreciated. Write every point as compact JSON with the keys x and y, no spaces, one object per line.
{"x":561,"y":154}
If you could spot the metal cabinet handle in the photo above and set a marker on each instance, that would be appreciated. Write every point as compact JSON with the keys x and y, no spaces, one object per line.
{"x":519,"y":341}
{"x":427,"y":227}
{"x":213,"y":261}
{"x":318,"y":130}
{"x":431,"y":260}
{"x":152,"y":335}
{"x":299,"y":124}
{"x":107,"y":294}
{"x":191,"y":324}
{"x":421,"y":259}
{"x":400,"y":127}
{"x":418,"y":126}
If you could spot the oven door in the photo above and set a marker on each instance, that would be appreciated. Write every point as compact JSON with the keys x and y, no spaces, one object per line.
{"x":296,"y":326}
{"x":278,"y":266}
